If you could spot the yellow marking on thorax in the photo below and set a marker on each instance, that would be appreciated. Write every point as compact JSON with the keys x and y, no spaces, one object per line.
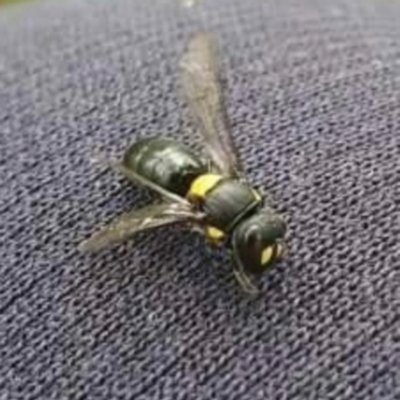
{"x":203,"y":184}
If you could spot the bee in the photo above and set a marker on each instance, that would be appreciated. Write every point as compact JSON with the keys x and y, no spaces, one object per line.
{"x":207,"y":192}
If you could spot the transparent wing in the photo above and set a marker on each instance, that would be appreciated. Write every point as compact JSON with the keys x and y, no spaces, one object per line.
{"x":140,"y":180}
{"x":130,"y":223}
{"x":202,"y":85}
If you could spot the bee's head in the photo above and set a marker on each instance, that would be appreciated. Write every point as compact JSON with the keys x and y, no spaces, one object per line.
{"x":258,"y":241}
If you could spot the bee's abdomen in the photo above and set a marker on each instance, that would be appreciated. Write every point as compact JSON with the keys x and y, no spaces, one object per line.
{"x":165,"y":162}
{"x":228,"y":203}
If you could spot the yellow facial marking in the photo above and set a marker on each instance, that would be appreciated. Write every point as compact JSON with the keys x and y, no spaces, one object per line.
{"x":266,"y":255}
{"x":203,"y":184}
{"x":214,"y":234}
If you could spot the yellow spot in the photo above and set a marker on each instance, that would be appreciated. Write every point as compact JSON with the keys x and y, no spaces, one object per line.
{"x":214,"y":234}
{"x":266,"y":255}
{"x":203,"y":184}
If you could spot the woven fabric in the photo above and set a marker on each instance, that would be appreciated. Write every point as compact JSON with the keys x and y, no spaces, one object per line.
{"x":314,"y":98}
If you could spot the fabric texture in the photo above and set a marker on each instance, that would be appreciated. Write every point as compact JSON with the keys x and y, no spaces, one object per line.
{"x":314,"y":98}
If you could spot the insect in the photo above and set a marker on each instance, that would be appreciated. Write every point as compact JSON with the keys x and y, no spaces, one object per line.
{"x":207,"y":192}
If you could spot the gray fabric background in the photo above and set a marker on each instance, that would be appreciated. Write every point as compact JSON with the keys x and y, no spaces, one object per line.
{"x":314,"y":98}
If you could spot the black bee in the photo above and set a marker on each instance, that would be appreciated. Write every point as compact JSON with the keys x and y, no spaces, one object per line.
{"x":208,"y":192}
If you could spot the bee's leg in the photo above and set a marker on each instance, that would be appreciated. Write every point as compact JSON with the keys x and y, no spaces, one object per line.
{"x":196,"y":228}
{"x":245,"y":282}
{"x":204,"y":232}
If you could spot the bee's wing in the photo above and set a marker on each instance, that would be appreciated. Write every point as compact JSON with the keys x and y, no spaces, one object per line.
{"x":202,"y":85}
{"x":130,"y":223}
{"x":141,"y":180}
